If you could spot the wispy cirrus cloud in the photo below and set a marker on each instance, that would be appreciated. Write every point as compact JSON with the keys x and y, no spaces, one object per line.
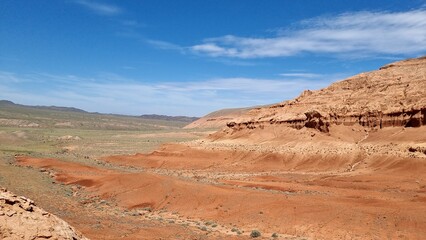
{"x":164,"y":45}
{"x":111,"y":93}
{"x":357,"y":34}
{"x":100,"y":8}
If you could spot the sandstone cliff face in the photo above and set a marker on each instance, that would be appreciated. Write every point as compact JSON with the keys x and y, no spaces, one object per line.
{"x":21,"y":219}
{"x":394,"y":95}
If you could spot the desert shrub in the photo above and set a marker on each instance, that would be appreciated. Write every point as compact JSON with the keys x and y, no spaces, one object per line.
{"x":255,"y":234}
{"x":274,"y":235}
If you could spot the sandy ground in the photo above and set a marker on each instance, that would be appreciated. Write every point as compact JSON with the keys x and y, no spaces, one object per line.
{"x":367,"y":185}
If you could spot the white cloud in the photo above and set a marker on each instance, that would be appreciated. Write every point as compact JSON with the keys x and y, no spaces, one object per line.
{"x":358,"y":34}
{"x":214,"y":49}
{"x":164,"y":45}
{"x":8,"y":77}
{"x":111,"y":93}
{"x":100,"y":8}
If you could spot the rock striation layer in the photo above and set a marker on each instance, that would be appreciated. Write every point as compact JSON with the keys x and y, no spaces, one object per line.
{"x":394,"y":95}
{"x":21,"y":219}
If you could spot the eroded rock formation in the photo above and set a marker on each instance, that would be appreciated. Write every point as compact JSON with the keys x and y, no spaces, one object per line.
{"x":21,"y":219}
{"x":394,"y":95}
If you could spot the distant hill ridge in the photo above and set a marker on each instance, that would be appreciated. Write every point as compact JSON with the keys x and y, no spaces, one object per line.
{"x":73,"y":109}
{"x":18,"y":115}
{"x":169,"y":118}
{"x":66,"y":109}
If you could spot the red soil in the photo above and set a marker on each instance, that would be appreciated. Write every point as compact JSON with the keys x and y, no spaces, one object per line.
{"x":372,"y":203}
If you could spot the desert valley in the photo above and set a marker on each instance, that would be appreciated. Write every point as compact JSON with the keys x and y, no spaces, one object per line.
{"x":344,"y":162}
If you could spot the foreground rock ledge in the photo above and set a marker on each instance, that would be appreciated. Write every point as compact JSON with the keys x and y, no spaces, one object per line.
{"x":21,"y":219}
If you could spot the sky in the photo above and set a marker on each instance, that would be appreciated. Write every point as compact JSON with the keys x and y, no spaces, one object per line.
{"x":192,"y":57}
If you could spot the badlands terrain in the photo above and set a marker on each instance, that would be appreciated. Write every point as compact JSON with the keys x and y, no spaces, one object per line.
{"x":344,"y":162}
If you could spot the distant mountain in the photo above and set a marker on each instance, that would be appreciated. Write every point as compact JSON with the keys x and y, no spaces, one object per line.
{"x":169,"y":118}
{"x":18,"y":115}
{"x":65,"y":109}
{"x":6,"y":102}
{"x":73,"y":109}
{"x":56,"y":108}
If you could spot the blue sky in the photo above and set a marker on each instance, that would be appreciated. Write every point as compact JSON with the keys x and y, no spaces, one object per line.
{"x":193,"y":57}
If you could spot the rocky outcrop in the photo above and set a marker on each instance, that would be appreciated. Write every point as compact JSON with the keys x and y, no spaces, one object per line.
{"x":20,"y":218}
{"x":395,"y":95}
{"x":217,"y":119}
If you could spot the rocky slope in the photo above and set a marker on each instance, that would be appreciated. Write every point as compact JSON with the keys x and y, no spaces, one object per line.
{"x":21,"y":219}
{"x":394,"y":95}
{"x":218,"y":119}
